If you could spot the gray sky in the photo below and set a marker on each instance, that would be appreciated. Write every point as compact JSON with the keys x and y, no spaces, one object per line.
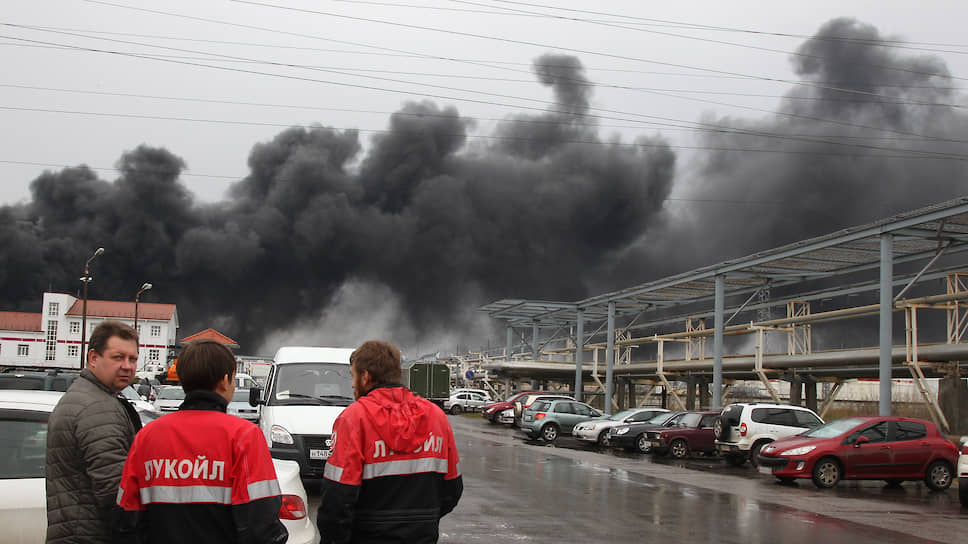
{"x":207,"y":80}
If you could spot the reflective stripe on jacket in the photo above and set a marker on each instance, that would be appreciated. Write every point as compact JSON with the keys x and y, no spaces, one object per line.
{"x":392,"y":472}
{"x":200,"y":475}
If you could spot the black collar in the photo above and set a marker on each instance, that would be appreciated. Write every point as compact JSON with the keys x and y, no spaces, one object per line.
{"x":382,"y":385}
{"x":204,"y":400}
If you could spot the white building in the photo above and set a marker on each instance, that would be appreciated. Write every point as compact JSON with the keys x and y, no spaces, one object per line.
{"x":52,"y":338}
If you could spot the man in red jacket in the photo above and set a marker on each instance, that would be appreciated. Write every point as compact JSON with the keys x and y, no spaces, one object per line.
{"x":392,"y":470}
{"x":201,"y":475}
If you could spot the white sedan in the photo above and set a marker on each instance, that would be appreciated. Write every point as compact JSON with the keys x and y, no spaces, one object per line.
{"x":596,"y":430}
{"x":169,"y":398}
{"x":23,"y":447}
{"x":23,"y":495}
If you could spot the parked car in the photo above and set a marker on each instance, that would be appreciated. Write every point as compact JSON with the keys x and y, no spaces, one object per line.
{"x":597,"y":430}
{"x":963,"y":472}
{"x":240,"y":406}
{"x":136,"y":400}
{"x":483,"y":392}
{"x":742,"y":429}
{"x":464,"y":401}
{"x":169,"y":398}
{"x":294,"y":513}
{"x":693,"y":432}
{"x":38,"y":380}
{"x":502,"y":411}
{"x":888,"y":448}
{"x":552,"y":417}
{"x":525,"y":402}
{"x":23,"y":496}
{"x":631,"y":436}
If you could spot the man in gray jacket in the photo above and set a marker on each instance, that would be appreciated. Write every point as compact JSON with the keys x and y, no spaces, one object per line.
{"x":88,"y":436}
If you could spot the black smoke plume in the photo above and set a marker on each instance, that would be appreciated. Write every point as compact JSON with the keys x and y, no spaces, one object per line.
{"x":873,"y":130}
{"x":307,"y":248}
{"x":319,"y":244}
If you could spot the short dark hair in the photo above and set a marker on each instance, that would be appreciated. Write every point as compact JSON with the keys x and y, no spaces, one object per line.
{"x":203,"y":363}
{"x":381,"y":359}
{"x":103,"y":332}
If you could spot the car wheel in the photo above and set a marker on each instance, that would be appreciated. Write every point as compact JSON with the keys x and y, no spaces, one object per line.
{"x":963,"y":491}
{"x":826,"y":473}
{"x":549,"y":432}
{"x":642,"y":444}
{"x":456,"y":409}
{"x":735,"y":459}
{"x":492,"y":420}
{"x":679,"y":448}
{"x":603,"y":438}
{"x":939,"y":475}
{"x":720,"y":428}
{"x":755,"y":450}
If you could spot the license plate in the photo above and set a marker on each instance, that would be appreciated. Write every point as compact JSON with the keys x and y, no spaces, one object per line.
{"x":655,"y":443}
{"x":318,"y":454}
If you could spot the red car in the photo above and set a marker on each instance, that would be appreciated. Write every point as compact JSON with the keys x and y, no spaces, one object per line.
{"x":693,"y":432}
{"x":888,"y":448}
{"x":503,"y":412}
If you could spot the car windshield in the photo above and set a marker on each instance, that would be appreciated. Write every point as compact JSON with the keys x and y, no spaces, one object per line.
{"x":834,"y":428}
{"x":621,"y":415}
{"x":22,"y":382}
{"x":312,"y":384}
{"x":23,"y":444}
{"x":171,"y":393}
{"x":241,"y":395}
{"x":130,"y":394}
{"x":659,"y":419}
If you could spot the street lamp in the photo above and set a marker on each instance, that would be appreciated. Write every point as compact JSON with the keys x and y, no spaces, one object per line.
{"x":86,"y":279}
{"x":144,"y":288}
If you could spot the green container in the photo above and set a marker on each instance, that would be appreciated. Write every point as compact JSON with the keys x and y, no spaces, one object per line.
{"x":428,"y":379}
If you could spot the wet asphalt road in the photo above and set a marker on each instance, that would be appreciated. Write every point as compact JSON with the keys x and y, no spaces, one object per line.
{"x":525,"y":491}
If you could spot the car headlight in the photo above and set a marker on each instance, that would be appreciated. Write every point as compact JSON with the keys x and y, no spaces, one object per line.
{"x":622,"y":430}
{"x":280,"y":435}
{"x":799,"y":451}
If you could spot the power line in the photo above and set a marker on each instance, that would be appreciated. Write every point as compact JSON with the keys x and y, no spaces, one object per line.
{"x":535,"y":44}
{"x":910,"y":154}
{"x":536,"y":121}
{"x":588,"y":84}
{"x":899,"y":44}
{"x":837,"y":122}
{"x":476,"y":62}
{"x":501,"y":95}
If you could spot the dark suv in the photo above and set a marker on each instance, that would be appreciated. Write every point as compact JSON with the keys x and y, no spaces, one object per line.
{"x":38,"y":380}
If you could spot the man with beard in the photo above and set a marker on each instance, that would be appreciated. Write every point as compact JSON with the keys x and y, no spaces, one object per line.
{"x":392,"y":471}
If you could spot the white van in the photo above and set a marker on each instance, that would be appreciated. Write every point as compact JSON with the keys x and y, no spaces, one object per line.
{"x":306,"y":390}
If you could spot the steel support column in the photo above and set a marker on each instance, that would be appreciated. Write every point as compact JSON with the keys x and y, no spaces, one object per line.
{"x":609,"y":358}
{"x":579,"y":353}
{"x":534,"y":340}
{"x":720,"y":310}
{"x":510,"y":344}
{"x":534,"y":350}
{"x":886,"y":332}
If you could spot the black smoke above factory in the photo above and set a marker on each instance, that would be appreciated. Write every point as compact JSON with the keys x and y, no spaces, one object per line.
{"x":326,"y":243}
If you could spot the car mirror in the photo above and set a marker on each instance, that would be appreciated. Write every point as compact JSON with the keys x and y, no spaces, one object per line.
{"x":255,"y":396}
{"x":861,"y":440}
